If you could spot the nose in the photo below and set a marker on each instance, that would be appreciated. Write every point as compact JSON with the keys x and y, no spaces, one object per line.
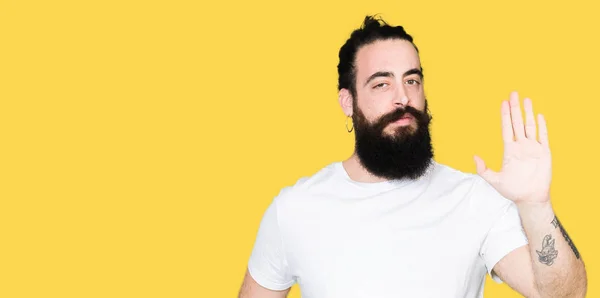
{"x":400,"y":98}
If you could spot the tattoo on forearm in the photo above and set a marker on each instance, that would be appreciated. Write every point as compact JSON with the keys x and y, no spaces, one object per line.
{"x":557,"y":223}
{"x":548,"y":253}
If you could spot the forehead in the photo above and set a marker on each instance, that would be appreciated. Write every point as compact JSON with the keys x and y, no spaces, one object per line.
{"x":393,"y":55}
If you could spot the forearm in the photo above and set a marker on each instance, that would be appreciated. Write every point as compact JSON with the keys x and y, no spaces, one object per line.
{"x":251,"y":289}
{"x":557,"y":265}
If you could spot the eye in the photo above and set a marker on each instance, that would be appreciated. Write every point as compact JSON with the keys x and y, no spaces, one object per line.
{"x":380,"y":85}
{"x":412,"y":82}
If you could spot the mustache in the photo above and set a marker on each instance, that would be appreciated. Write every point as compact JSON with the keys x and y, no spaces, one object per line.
{"x":397,"y":114}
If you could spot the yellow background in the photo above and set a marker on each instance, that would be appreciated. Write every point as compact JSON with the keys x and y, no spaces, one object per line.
{"x":141,"y":141}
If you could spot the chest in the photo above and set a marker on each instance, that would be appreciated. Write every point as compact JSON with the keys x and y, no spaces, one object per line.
{"x":386,"y":253}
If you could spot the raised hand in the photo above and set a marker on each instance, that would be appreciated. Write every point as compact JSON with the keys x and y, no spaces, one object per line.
{"x":526,"y":167}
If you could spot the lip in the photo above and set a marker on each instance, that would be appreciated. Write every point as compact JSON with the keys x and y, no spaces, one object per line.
{"x":405,"y":120}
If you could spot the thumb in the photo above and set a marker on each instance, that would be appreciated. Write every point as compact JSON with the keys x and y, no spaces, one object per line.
{"x":488,"y":175}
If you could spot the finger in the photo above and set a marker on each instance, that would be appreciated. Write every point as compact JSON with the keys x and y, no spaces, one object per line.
{"x":515,"y":114}
{"x":543,"y":131}
{"x":530,"y":128}
{"x":507,"y":130}
{"x":487,"y":174}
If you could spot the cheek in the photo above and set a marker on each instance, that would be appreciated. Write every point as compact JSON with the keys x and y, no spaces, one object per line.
{"x":369,"y":113}
{"x":417,"y":98}
{"x":370,"y":106}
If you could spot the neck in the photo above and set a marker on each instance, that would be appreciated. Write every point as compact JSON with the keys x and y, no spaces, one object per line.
{"x":357,"y":172}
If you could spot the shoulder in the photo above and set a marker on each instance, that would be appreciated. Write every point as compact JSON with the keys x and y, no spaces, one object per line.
{"x":447,"y":179}
{"x":477,"y":189}
{"x":481,"y":203}
{"x":318,"y":182}
{"x":451,"y":175}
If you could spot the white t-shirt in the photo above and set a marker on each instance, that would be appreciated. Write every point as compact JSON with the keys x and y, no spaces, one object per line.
{"x":434,"y":237}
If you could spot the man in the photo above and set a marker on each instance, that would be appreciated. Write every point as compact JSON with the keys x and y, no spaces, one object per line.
{"x":391,"y":222}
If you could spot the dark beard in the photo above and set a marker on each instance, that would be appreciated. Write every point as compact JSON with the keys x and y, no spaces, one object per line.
{"x":407,"y":153}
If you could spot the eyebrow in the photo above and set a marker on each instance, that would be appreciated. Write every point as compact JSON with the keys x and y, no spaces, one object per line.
{"x":414,"y":71}
{"x":388,"y":74}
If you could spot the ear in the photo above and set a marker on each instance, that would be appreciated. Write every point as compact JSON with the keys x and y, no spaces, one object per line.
{"x":345,"y":99}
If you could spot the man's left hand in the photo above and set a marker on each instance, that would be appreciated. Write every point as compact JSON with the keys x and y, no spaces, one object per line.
{"x":526,"y":167}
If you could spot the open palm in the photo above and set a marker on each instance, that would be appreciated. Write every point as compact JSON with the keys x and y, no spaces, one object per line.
{"x":526,"y":167}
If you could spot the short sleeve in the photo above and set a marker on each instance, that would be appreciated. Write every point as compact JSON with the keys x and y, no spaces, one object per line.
{"x":505,"y":235}
{"x":267,"y":264}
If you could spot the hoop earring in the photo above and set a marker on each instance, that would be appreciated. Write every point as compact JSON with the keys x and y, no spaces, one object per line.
{"x":349,"y":129}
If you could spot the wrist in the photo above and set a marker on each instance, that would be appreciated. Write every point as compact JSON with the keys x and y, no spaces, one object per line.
{"x":536,"y":211}
{"x":534,"y":204}
{"x":539,"y":199}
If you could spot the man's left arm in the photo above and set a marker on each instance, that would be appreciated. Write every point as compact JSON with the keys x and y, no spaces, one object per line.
{"x":550,"y":265}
